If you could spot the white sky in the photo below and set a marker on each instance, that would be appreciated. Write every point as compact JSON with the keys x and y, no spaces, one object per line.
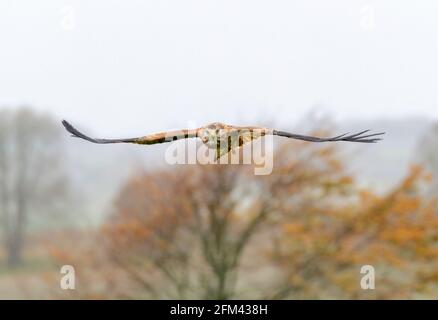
{"x":120,"y":66}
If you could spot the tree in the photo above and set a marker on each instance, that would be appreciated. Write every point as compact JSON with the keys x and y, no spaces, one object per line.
{"x":322,"y":252}
{"x":32,"y":179}
{"x":183,"y":233}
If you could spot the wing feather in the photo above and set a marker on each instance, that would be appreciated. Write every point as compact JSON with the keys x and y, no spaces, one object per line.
{"x":357,"y":137}
{"x":162,"y":137}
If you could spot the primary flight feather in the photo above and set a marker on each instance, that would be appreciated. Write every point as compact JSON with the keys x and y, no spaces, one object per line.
{"x":225,"y":138}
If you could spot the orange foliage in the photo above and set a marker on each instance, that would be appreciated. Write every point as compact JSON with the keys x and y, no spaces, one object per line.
{"x":395,"y":232}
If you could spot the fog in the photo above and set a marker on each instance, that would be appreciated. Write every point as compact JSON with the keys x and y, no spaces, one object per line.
{"x":128,"y":67}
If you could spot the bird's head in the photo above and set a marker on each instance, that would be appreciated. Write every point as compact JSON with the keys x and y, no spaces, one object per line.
{"x":212,"y":133}
{"x":209,"y":137}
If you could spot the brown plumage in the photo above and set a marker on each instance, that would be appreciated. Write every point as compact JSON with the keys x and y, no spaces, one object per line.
{"x":225,"y":138}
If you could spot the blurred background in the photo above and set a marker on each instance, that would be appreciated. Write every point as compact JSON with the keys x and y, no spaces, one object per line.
{"x":134,"y":227}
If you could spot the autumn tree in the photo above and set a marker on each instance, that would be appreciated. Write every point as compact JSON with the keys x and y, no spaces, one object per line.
{"x":323,"y":251}
{"x":190,"y":227}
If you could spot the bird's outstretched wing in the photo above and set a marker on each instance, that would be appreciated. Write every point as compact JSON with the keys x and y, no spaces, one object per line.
{"x":149,"y":139}
{"x":358,"y":137}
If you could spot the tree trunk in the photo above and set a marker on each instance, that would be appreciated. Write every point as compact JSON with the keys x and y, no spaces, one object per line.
{"x":15,"y":248}
{"x":16,"y":236}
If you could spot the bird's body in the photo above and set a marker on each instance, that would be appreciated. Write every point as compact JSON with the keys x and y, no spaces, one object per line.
{"x":225,"y":138}
{"x":222,"y":137}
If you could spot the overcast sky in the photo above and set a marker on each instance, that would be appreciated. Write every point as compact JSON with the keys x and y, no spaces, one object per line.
{"x":117,"y":66}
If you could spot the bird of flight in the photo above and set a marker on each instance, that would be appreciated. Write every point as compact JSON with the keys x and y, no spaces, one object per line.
{"x":224,"y":138}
